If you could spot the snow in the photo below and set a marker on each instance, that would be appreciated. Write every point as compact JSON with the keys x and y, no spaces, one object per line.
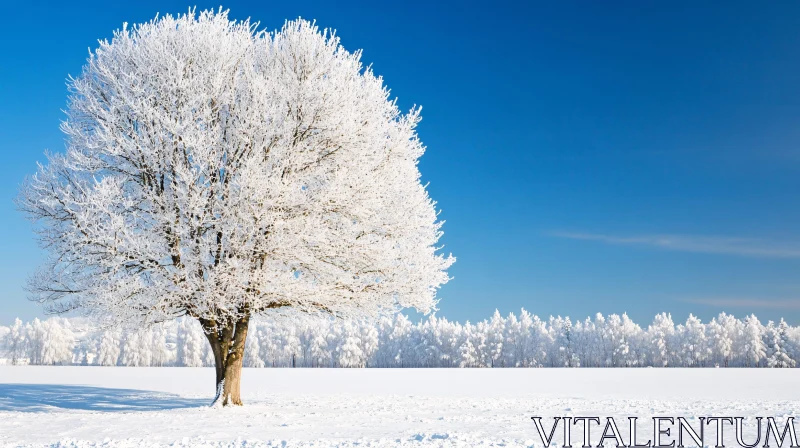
{"x":121,"y":407}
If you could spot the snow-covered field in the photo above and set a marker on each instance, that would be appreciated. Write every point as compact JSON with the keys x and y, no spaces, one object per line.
{"x":99,"y":406}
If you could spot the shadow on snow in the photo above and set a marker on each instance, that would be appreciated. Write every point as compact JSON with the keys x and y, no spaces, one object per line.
{"x":45,"y":397}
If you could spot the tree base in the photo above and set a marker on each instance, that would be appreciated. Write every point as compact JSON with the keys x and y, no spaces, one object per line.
{"x":227,"y":344}
{"x":226,"y":398}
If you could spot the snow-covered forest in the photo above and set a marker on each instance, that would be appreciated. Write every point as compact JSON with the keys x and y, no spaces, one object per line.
{"x":518,"y":340}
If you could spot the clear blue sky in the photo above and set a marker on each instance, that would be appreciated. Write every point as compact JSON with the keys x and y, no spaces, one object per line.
{"x":588,"y":157}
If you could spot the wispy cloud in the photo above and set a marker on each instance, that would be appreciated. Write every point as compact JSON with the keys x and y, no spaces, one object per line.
{"x":749,"y":247}
{"x":781,"y":304}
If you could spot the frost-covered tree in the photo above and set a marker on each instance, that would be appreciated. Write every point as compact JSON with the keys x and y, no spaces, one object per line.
{"x":394,"y":351}
{"x":694,"y":344}
{"x":217,"y":171}
{"x":619,"y":347}
{"x":290,"y":344}
{"x":752,"y":341}
{"x":160,"y":355}
{"x":4,"y":332}
{"x":319,"y":351}
{"x":590,"y":346}
{"x":582,"y":336}
{"x":793,"y":342}
{"x":189,"y":342}
{"x":368,"y":341}
{"x":496,"y":339}
{"x":635,"y":338}
{"x":349,"y":354}
{"x":132,"y":350}
{"x":777,"y":342}
{"x":604,"y":343}
{"x":109,"y":349}
{"x":661,"y":335}
{"x":16,"y":343}
{"x":57,"y":342}
{"x":34,"y":335}
{"x":732,"y":333}
{"x":563,"y":350}
{"x":468,"y":355}
{"x":50,"y":342}
{"x":720,"y":342}
{"x":252,"y":354}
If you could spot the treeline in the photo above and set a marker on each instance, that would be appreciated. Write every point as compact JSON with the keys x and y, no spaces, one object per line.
{"x":518,"y":340}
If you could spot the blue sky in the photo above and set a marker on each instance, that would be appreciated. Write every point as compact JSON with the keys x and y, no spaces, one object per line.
{"x":637,"y":157}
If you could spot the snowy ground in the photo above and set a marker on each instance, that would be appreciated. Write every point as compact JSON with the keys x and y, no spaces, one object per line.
{"x":116,"y":406}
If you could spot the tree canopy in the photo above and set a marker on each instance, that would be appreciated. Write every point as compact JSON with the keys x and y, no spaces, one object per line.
{"x":212,"y":168}
{"x":218,"y":171}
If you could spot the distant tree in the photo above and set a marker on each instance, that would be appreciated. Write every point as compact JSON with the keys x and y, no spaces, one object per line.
{"x":793,"y":341}
{"x":369,"y":342}
{"x":395,"y":351}
{"x":496,"y":339}
{"x":320,"y":353}
{"x":585,"y":341}
{"x":635,"y":338}
{"x":720,"y":343}
{"x":733,"y":331}
{"x":614,"y":332}
{"x":563,"y":353}
{"x":132,"y":350}
{"x":661,"y":336}
{"x":252,"y":354}
{"x":777,"y":342}
{"x":694,"y":344}
{"x":50,"y":342}
{"x":753,"y":342}
{"x":160,"y":355}
{"x":290,"y":345}
{"x":58,"y":342}
{"x":216,"y":171}
{"x":349,"y":353}
{"x":189,"y":342}
{"x":468,"y":355}
{"x":17,"y":343}
{"x":4,"y":332}
{"x":604,"y":343}
{"x":109,"y":349}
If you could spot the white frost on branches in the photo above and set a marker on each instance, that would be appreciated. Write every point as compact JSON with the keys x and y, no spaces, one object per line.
{"x":215,"y":170}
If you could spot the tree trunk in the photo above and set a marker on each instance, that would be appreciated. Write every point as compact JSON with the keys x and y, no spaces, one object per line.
{"x":227,"y":343}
